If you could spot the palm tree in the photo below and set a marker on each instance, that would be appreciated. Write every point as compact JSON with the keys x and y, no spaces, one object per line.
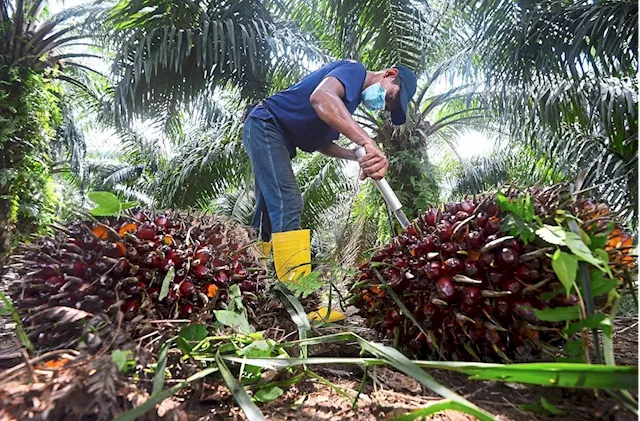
{"x":176,"y":51}
{"x":562,"y":75}
{"x":33,"y":53}
{"x":433,"y":118}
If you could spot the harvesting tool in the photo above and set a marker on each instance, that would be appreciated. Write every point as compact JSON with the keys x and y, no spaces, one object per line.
{"x":388,"y":194}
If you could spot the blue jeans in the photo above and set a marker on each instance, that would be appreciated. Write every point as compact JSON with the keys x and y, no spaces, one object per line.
{"x":278,"y":198}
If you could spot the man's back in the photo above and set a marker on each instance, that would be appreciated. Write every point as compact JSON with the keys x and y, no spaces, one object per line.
{"x":295,"y":114}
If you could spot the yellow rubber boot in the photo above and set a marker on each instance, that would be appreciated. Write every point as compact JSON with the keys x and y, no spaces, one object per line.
{"x":265,"y":248}
{"x":292,"y":259}
{"x":292,"y":254}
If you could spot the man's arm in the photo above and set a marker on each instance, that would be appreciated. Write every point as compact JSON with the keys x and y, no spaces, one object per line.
{"x":337,"y":151}
{"x":326,"y":100}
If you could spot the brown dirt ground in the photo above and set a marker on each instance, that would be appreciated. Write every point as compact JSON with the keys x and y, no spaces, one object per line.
{"x":389,"y":393}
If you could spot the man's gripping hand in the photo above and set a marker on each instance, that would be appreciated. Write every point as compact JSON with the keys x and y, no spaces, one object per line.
{"x":374,"y":164}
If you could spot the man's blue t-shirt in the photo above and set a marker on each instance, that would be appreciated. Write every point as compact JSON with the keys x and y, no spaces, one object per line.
{"x":296,"y":118}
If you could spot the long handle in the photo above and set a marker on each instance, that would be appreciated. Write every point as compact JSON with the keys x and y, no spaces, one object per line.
{"x":386,"y":190}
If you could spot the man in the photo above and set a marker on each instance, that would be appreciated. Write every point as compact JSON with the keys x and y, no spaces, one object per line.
{"x":311,"y":115}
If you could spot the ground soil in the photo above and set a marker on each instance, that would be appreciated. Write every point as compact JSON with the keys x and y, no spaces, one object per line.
{"x":386,"y":393}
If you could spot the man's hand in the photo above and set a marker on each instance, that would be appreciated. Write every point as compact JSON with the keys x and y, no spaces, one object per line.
{"x":374,"y":164}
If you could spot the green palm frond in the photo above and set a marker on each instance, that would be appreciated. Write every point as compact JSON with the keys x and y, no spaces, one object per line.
{"x":70,"y":141}
{"x":172,"y":52}
{"x":519,"y":41}
{"x":209,"y":163}
{"x":31,"y":40}
{"x":322,"y":182}
{"x":379,"y":33}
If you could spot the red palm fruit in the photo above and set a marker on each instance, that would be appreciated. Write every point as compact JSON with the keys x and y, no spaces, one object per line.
{"x":524,"y":309}
{"x":239,"y":270}
{"x":147,"y":231}
{"x":180,"y":274}
{"x":152,"y":260}
{"x":471,"y":268}
{"x":136,"y":288}
{"x":247,"y":286}
{"x":90,"y":257}
{"x":76,"y":268}
{"x":430,"y":217}
{"x":475,"y":239}
{"x":122,"y":267}
{"x":167,"y":264}
{"x":486,"y":260}
{"x":467,"y":206}
{"x":203,"y":255}
{"x":502,"y":307}
{"x":515,"y":245}
{"x":470,"y":311}
{"x":507,"y":258}
{"x":471,"y":296}
{"x":496,"y":276}
{"x":221,"y":278}
{"x":139,"y":216}
{"x":54,"y":282}
{"x":434,"y":270}
{"x":153,"y":292}
{"x":200,"y":271}
{"x":171,"y":298}
{"x":88,"y":242}
{"x":443,"y":231}
{"x":162,"y":222}
{"x":186,"y":310}
{"x":480,"y":220}
{"x":446,"y":288}
{"x":452,"y":266}
{"x":428,"y":244}
{"x":461,"y":215}
{"x":176,"y":257}
{"x":448,"y":249}
{"x":450,"y":207}
{"x":492,"y":225}
{"x":571,"y":300}
{"x":187,"y":289}
{"x":48,"y":270}
{"x":131,"y":305}
{"x":145,"y":276}
{"x":526,"y":273}
{"x":511,"y":285}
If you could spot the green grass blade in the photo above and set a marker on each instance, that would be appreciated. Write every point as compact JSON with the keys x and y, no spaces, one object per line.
{"x":250,"y":409}
{"x":138,"y":411}
{"x":16,"y":318}
{"x":297,"y":313}
{"x":158,"y":379}
{"x":434,"y":408}
{"x":401,"y":363}
{"x":574,"y":375}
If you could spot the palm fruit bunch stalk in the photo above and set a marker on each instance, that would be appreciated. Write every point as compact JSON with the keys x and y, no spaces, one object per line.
{"x":119,"y":264}
{"x":473,"y":288}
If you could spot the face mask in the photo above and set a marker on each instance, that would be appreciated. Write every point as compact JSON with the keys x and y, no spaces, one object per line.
{"x":373,"y":97}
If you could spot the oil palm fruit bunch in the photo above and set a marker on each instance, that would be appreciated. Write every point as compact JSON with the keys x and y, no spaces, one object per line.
{"x":474,"y":275}
{"x":120,"y":264}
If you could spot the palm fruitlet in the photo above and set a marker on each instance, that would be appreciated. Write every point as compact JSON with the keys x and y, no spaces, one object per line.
{"x":472,"y":288}
{"x":120,"y":265}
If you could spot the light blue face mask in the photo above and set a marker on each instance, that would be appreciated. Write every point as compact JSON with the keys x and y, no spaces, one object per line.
{"x":373,"y":97}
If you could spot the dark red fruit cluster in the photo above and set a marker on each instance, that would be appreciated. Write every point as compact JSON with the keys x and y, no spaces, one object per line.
{"x":473,"y":288}
{"x":121,"y":263}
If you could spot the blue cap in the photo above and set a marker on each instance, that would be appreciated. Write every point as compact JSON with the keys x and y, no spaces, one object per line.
{"x":408,"y":86}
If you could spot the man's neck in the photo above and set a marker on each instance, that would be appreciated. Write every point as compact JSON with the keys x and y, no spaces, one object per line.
{"x":372,"y":78}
